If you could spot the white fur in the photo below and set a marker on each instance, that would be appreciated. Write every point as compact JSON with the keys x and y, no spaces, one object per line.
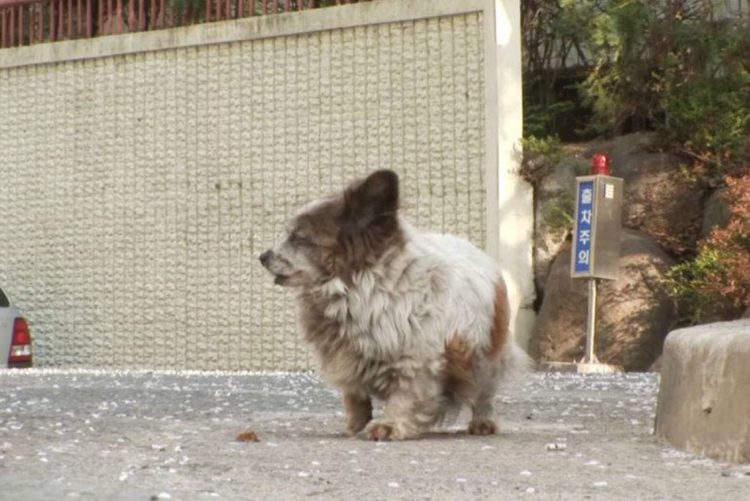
{"x":416,"y":300}
{"x":403,"y":311}
{"x":416,"y":319}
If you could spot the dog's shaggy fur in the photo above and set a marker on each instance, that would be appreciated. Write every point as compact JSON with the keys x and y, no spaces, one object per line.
{"x":418,"y":320}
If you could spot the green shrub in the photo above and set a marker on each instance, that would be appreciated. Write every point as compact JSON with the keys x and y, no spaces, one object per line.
{"x":557,"y":216}
{"x":716,"y":284}
{"x":688,"y":283}
{"x":540,"y":155}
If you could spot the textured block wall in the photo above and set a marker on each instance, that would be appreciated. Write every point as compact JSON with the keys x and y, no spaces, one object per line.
{"x":137,"y":190}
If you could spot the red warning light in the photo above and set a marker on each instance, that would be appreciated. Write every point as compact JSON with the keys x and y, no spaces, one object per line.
{"x":600,"y":165}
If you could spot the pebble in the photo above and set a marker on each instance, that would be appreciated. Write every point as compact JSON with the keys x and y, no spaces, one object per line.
{"x":556,"y":447}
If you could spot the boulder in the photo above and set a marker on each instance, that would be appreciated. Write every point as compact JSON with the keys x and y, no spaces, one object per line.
{"x":703,"y":403}
{"x":716,"y":213}
{"x":554,"y":195}
{"x":658,"y":199}
{"x":634,"y":312}
{"x":619,"y":149}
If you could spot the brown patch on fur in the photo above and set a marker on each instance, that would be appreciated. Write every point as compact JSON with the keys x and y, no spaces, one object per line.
{"x":353,"y":230}
{"x":321,"y":227}
{"x":359,"y":412}
{"x":458,"y":370}
{"x":499,"y":332}
{"x":370,"y":225}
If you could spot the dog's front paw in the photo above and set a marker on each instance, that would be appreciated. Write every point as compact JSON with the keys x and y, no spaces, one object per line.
{"x":482,"y":426}
{"x":380,"y":432}
{"x":384,"y":431}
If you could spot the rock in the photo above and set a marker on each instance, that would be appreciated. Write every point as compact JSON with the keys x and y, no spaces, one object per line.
{"x":554,"y":196}
{"x":658,"y":199}
{"x":634,"y":312}
{"x":702,"y":405}
{"x":716,"y":213}
{"x":619,"y":149}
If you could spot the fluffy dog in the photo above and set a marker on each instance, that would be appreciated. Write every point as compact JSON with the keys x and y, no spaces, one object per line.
{"x":418,"y":320}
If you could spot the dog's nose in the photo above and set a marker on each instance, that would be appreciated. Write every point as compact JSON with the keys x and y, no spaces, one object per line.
{"x":265,"y":257}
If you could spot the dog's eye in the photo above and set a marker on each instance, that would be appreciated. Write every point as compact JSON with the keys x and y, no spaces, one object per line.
{"x":299,"y":240}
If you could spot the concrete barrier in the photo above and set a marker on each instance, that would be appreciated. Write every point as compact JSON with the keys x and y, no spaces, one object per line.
{"x":704,"y":397}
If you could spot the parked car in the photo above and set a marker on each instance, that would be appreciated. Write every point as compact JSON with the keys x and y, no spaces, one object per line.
{"x":15,"y":338}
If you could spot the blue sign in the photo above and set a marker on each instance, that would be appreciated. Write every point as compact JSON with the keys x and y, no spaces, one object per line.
{"x":584,"y":215}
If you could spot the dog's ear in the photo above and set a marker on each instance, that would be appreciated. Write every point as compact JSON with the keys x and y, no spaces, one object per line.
{"x":373,"y":198}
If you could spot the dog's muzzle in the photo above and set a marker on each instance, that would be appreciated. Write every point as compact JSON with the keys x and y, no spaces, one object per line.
{"x":266,"y":257}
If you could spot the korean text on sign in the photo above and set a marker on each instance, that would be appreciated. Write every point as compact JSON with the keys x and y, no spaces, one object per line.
{"x":584,"y":214}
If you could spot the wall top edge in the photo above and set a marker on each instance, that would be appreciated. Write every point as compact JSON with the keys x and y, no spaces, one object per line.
{"x":251,"y":28}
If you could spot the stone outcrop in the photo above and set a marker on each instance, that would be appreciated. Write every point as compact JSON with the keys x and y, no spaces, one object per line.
{"x":634,"y":312}
{"x":658,"y":199}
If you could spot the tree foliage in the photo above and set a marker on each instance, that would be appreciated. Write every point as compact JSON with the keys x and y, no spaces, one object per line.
{"x":674,"y":66}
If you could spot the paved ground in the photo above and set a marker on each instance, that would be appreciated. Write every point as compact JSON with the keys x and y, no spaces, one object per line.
{"x":141,"y":436}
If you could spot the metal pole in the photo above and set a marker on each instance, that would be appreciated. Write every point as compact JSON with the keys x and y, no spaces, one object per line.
{"x":590,"y":357}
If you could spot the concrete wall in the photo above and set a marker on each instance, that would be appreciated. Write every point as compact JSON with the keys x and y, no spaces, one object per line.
{"x":142,"y":174}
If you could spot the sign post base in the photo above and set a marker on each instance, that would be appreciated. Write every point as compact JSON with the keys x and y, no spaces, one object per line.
{"x":581,"y":368}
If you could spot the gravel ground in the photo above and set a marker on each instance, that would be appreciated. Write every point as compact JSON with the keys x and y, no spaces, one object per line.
{"x":158,"y":435}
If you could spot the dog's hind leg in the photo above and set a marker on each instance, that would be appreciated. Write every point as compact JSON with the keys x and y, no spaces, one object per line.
{"x":482,"y":422}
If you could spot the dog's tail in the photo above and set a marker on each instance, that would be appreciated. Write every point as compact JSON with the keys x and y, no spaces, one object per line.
{"x":513,"y":363}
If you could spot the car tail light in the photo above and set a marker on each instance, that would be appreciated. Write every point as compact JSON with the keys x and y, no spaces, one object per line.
{"x":20,"y":347}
